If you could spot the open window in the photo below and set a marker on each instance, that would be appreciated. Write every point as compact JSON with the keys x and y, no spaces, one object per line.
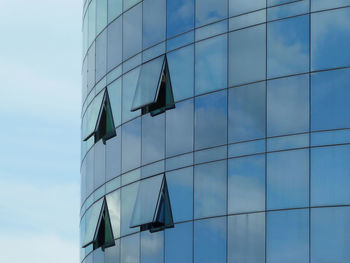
{"x":152,"y":210}
{"x":104,"y":127}
{"x":154,"y":93}
{"x":99,"y":231}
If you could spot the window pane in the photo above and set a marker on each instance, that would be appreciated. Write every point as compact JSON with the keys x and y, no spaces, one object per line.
{"x":211,"y":64}
{"x":92,"y":216}
{"x":330,"y":96}
{"x":178,"y":243}
{"x":148,"y":83}
{"x":288,"y":105}
{"x":115,"y":98}
{"x":101,"y":55}
{"x":289,"y":10}
{"x":243,"y":6}
{"x":210,"y":240}
{"x":129,"y":87}
{"x":132,"y":31}
{"x":152,"y":247}
{"x":101,"y":11}
{"x":180,"y":187}
{"x":330,"y":235}
{"x":330,"y":39}
{"x":112,"y":254}
{"x":154,"y":22}
{"x":92,"y":114}
{"x":129,"y":247}
{"x":100,"y":164}
{"x":208,"y":11}
{"x":179,"y":129}
{"x":131,"y":145}
{"x":211,"y":120}
{"x":113,"y":203}
{"x":92,"y":21}
{"x":288,"y":179}
{"x":246,"y":238}
{"x":146,"y":202}
{"x":288,"y":236}
{"x":114,"y":49}
{"x":153,"y":138}
{"x":180,"y":16}
{"x":129,"y":3}
{"x":210,"y":189}
{"x":129,"y":194}
{"x":246,"y":184}
{"x":91,"y":67}
{"x":181,"y":67}
{"x":246,"y":112}
{"x":114,"y":9}
{"x":317,"y":5}
{"x":330,"y":175}
{"x":247,"y":57}
{"x":288,"y":47}
{"x":113,"y":156}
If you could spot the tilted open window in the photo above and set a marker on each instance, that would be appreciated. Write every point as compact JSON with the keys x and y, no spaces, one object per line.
{"x":154,"y":93}
{"x":99,"y":229}
{"x":152,"y":210}
{"x":104,"y":126}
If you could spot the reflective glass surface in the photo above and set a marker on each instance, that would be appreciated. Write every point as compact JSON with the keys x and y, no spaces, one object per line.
{"x":288,"y":105}
{"x":128,"y":92}
{"x":208,"y":11}
{"x":330,"y":96}
{"x":211,"y":65}
{"x":287,"y":236}
{"x":101,"y":15}
{"x":246,"y":238}
{"x":113,"y":204}
{"x":132,"y":31}
{"x":115,"y":98}
{"x":128,"y":253}
{"x":92,"y":217}
{"x":317,"y":5}
{"x":113,"y":156}
{"x":154,"y":22}
{"x":180,"y":16}
{"x":114,"y":9}
{"x":129,"y":3}
{"x":101,"y":55}
{"x":112,"y":254}
{"x":152,"y":247}
{"x":100,"y":164}
{"x":247,"y":55}
{"x":246,"y":112}
{"x":211,"y":120}
{"x":246,"y":184}
{"x":131,"y":145}
{"x":114,"y":47}
{"x":128,"y":195}
{"x":210,"y":240}
{"x":330,"y":175}
{"x":210,"y":187}
{"x":243,"y":6}
{"x":288,"y":47}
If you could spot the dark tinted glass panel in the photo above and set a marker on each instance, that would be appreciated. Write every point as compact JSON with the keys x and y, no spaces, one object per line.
{"x":246,"y":112}
{"x":330,"y":175}
{"x":114,"y":49}
{"x":208,"y":11}
{"x":246,"y":238}
{"x":210,"y":187}
{"x":180,"y":16}
{"x":153,"y":138}
{"x":288,"y":47}
{"x":330,"y":39}
{"x":179,"y":129}
{"x":179,"y":243}
{"x":330,"y":96}
{"x":246,"y":184}
{"x":288,"y":236}
{"x":288,"y":105}
{"x":180,"y":187}
{"x":101,"y":55}
{"x":247,"y":55}
{"x":330,"y":235}
{"x":131,"y":145}
{"x":288,"y":179}
{"x":132,"y":31}
{"x":129,"y":249}
{"x":211,"y":120}
{"x":181,"y":67}
{"x":154,"y":22}
{"x":243,"y":6}
{"x":211,"y":64}
{"x":210,"y":240}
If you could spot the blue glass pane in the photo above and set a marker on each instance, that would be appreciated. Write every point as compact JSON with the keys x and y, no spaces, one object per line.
{"x":152,"y":247}
{"x":131,"y":145}
{"x":288,"y":179}
{"x":288,"y":236}
{"x":210,"y":240}
{"x":92,"y":216}
{"x":113,"y":203}
{"x":246,"y":112}
{"x":180,"y":16}
{"x":114,"y":9}
{"x":115,"y":98}
{"x":288,"y":47}
{"x":112,"y":254}
{"x":330,"y":175}
{"x":210,"y":187}
{"x":129,"y":3}
{"x":317,"y":5}
{"x":128,"y":92}
{"x":246,"y":184}
{"x":211,"y":120}
{"x":128,"y":199}
{"x":208,"y":11}
{"x":330,"y":39}
{"x":330,"y":96}
{"x":243,"y":6}
{"x":114,"y":48}
{"x":288,"y":105}
{"x":128,"y":253}
{"x":211,"y":65}
{"x":154,"y":22}
{"x":132,"y":31}
{"x":290,"y":10}
{"x":101,"y":55}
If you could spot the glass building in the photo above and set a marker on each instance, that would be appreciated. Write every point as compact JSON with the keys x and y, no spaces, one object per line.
{"x":215,"y":131}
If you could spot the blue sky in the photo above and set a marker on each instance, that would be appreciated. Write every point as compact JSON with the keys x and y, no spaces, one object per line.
{"x":40,"y":58}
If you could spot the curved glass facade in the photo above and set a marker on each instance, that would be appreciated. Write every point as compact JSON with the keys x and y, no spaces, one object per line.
{"x":236,"y":146}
